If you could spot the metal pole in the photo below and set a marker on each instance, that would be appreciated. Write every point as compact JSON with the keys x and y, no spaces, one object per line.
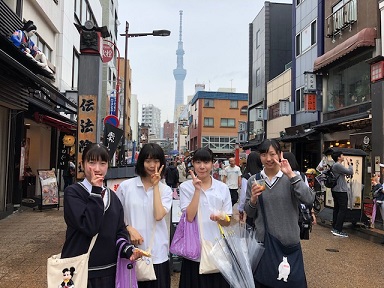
{"x":117,"y":86}
{"x":122,"y":160}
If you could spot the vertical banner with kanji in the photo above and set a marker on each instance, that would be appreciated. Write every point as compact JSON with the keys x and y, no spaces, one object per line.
{"x":86,"y":127}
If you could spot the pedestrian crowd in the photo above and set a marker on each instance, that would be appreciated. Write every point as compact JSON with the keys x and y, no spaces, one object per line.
{"x":269,"y":190}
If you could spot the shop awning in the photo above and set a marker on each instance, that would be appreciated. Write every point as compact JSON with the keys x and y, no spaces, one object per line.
{"x":38,"y":83}
{"x":341,"y":120}
{"x":365,"y":38}
{"x":251,"y":144}
{"x":298,"y":137}
{"x":65,"y":126}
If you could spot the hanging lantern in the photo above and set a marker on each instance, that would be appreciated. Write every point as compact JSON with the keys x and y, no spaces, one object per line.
{"x":68,"y":140}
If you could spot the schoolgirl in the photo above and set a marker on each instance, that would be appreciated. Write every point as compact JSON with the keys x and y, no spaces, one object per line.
{"x":90,"y":209}
{"x":209,"y":198}
{"x":146,"y":202}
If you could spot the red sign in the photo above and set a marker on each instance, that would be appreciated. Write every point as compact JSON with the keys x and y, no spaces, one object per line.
{"x":107,"y":54}
{"x":310,"y":102}
{"x":112,"y":119}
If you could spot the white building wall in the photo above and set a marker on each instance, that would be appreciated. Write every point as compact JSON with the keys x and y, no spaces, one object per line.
{"x":135,"y":117}
{"x":277,"y":89}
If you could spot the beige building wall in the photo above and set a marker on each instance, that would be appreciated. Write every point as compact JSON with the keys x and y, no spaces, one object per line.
{"x":278,"y":88}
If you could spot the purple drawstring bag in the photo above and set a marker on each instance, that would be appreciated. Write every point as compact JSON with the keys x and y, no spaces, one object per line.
{"x":125,"y":269}
{"x":186,"y":240}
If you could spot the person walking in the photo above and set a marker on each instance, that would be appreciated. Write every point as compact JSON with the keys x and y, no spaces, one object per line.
{"x":340,"y":192}
{"x":182,"y":172}
{"x":171,"y":175}
{"x":89,"y":209}
{"x":209,"y":198}
{"x":274,"y":207}
{"x":252,"y":167}
{"x":232,"y":177}
{"x":146,"y":201}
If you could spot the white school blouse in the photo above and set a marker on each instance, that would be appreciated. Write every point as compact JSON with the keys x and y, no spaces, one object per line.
{"x":217,"y":198}
{"x":138,"y":213}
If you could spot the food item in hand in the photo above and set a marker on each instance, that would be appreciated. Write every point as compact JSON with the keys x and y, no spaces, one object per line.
{"x":260,"y":182}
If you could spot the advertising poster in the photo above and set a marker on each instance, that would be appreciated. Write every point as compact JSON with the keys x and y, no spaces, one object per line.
{"x":49,"y":189}
{"x":355,"y":184}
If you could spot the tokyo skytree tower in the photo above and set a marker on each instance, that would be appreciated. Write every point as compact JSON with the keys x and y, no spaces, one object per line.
{"x":179,"y":73}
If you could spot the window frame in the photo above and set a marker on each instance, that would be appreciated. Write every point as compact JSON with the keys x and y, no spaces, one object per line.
{"x":235,"y":102}
{"x":227,"y":125}
{"x":312,"y":40}
{"x":208,"y":120}
{"x":208,"y":103}
{"x":75,"y":69}
{"x":258,"y":77}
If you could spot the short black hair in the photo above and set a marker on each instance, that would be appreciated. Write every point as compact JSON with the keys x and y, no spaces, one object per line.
{"x":203,"y":154}
{"x":335,"y":155}
{"x":264,"y":146}
{"x":95,"y":152}
{"x":149,"y":151}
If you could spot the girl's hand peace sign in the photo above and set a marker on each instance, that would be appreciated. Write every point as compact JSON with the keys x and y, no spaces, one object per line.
{"x":195,"y":181}
{"x":285,"y":167}
{"x":156,"y":177}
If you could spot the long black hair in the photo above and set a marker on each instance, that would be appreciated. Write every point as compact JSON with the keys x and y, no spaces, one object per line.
{"x":253,"y":164}
{"x":149,"y":151}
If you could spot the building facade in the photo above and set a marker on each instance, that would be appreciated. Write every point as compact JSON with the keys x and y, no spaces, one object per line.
{"x":214,"y":121}
{"x":151,"y":117}
{"x":41,"y":107}
{"x":270,"y":50}
{"x":349,"y":89}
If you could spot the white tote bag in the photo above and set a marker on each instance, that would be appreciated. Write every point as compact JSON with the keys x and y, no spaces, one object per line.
{"x":144,"y":266}
{"x":207,"y":265}
{"x":56,"y":267}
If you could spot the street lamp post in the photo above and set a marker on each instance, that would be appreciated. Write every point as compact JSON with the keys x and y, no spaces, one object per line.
{"x":162,"y":33}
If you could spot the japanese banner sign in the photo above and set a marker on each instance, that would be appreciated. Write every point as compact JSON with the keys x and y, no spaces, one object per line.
{"x":112,"y":137}
{"x":310,"y":102}
{"x":86,"y":127}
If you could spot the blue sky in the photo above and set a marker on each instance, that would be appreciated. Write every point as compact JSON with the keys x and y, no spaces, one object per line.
{"x":215,"y":38}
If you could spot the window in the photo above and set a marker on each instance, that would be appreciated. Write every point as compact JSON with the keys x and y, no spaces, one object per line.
{"x":233,"y":104}
{"x":313,"y":32}
{"x":244,"y":110}
{"x":257,"y":38}
{"x":306,"y":38}
{"x":298,"y":44}
{"x":217,"y":143}
{"x":43,"y":46}
{"x":299,"y":100}
{"x":349,"y":83}
{"x":75,"y":69}
{"x":258,"y":79}
{"x":209,"y":103}
{"x":208,"y":122}
{"x":274,"y":111}
{"x":227,"y":122}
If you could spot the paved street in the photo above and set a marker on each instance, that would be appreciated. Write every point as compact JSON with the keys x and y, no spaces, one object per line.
{"x":29,"y":237}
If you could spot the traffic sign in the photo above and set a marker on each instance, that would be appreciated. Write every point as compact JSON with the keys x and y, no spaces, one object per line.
{"x":112,"y":119}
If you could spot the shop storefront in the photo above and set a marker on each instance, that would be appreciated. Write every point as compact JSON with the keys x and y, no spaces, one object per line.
{"x":26,"y":89}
